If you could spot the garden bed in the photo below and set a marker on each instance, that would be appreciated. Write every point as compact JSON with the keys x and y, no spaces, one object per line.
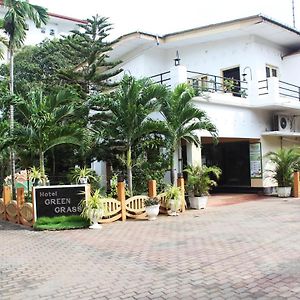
{"x":61,"y":223}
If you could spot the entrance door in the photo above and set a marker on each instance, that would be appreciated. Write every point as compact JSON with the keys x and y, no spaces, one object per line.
{"x":233,"y":159}
{"x":234,"y":73}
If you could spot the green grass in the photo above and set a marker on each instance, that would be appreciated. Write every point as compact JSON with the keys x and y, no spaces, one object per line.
{"x":60,"y":223}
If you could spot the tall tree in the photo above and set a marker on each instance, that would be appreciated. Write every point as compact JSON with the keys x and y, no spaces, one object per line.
{"x":90,"y":47}
{"x":183,"y":121}
{"x":15,"y":26}
{"x":123,"y":116}
{"x":46,"y":122}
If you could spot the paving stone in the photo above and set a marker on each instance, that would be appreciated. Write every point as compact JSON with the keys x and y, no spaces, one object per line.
{"x":245,"y":251}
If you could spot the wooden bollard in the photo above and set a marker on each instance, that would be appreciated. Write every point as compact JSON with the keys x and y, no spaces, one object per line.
{"x":180,"y":183}
{"x":152,"y":188}
{"x":6,"y":198}
{"x":121,"y":197}
{"x":20,"y":202}
{"x":296,"y":185}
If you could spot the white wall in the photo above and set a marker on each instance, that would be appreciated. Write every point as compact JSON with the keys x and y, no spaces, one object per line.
{"x":35,"y":36}
{"x":290,"y":69}
{"x":237,"y":122}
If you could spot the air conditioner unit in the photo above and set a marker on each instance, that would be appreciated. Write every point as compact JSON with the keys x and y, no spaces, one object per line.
{"x":284,"y":123}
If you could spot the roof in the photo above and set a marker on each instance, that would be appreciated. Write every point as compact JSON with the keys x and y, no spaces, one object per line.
{"x":67,"y":18}
{"x":257,"y":25}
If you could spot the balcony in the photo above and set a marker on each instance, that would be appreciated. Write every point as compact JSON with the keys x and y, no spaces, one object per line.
{"x":204,"y":82}
{"x":269,"y":94}
{"x":277,"y":94}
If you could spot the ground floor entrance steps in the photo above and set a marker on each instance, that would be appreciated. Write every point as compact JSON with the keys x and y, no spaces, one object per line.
{"x":229,"y":199}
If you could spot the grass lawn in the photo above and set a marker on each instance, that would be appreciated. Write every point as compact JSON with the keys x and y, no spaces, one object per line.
{"x":61,"y":223}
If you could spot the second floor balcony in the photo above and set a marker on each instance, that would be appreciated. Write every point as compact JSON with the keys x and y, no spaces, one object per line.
{"x":270,"y":93}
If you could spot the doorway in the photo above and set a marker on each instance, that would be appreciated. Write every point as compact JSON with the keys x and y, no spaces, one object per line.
{"x":233,"y":159}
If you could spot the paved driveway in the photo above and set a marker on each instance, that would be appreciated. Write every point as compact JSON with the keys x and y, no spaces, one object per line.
{"x":245,"y":251}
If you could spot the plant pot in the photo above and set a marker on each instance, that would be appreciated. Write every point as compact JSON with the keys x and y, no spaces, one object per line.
{"x":173,"y":208}
{"x":198,"y":202}
{"x":152,"y":211}
{"x":94,"y":217}
{"x":83,"y":180}
{"x":284,"y":192}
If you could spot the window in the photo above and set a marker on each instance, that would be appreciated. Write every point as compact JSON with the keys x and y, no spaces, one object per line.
{"x":271,"y":71}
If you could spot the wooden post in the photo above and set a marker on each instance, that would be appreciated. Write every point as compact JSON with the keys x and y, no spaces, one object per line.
{"x":180,"y":183}
{"x":152,"y":188}
{"x":6,"y":198}
{"x":20,"y":202}
{"x":121,"y":198}
{"x":296,"y":185}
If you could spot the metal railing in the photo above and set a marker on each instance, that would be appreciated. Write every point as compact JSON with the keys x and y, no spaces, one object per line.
{"x":289,"y":90}
{"x":161,"y":78}
{"x":263,"y":87}
{"x":204,"y":82}
{"x":285,"y":89}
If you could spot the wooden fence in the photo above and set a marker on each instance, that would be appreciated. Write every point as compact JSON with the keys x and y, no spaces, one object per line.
{"x":134,"y":207}
{"x":21,"y":212}
{"x":16,"y":211}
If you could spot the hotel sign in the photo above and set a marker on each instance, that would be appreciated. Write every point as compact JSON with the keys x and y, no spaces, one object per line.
{"x":59,"y":200}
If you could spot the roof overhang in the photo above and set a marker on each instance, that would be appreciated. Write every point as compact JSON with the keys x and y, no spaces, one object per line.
{"x":257,"y":26}
{"x":281,"y":134}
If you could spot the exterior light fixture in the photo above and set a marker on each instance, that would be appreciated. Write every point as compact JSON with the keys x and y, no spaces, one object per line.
{"x":177,"y":59}
{"x":245,"y":74}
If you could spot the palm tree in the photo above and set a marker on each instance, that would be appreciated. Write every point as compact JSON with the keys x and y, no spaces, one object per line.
{"x":183,"y":120}
{"x":285,"y":162}
{"x":15,"y":26}
{"x":124,"y":115}
{"x":46,"y":122}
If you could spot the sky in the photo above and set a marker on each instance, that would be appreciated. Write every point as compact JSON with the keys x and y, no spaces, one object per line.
{"x":166,"y":16}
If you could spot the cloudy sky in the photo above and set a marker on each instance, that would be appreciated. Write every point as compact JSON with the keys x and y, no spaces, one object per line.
{"x":165,"y":16}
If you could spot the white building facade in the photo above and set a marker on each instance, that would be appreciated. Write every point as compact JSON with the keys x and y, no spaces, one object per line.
{"x":57,"y":26}
{"x":262,"y":111}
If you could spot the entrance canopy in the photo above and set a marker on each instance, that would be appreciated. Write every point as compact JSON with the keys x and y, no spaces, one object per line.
{"x":281,"y":133}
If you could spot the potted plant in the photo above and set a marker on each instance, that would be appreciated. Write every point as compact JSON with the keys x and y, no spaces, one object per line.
{"x":35,"y":175}
{"x":93,"y":209}
{"x":284,"y":161}
{"x":200,"y":182}
{"x":152,"y":208}
{"x":174,"y":199}
{"x":229,"y":85}
{"x":83,"y":175}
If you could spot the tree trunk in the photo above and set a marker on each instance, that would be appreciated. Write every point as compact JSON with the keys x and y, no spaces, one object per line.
{"x":42,"y":166}
{"x":173,"y":170}
{"x":11,"y":122}
{"x":129,"y":170}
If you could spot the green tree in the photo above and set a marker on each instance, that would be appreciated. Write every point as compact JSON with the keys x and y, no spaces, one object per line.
{"x":182,"y":121}
{"x":90,"y":47}
{"x":123,"y":115}
{"x":285,"y":161}
{"x":15,"y":26}
{"x":39,"y":66}
{"x":46,"y":122}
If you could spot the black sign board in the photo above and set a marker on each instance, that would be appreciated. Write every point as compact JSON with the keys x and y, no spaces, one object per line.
{"x":59,"y":200}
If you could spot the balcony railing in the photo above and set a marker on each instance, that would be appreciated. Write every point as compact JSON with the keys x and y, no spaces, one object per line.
{"x":285,"y":89}
{"x":204,"y":82}
{"x":289,"y":90}
{"x":162,"y":78}
{"x":263,"y":87}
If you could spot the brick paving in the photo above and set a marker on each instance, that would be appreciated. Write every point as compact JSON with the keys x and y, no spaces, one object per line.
{"x":249,"y":250}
